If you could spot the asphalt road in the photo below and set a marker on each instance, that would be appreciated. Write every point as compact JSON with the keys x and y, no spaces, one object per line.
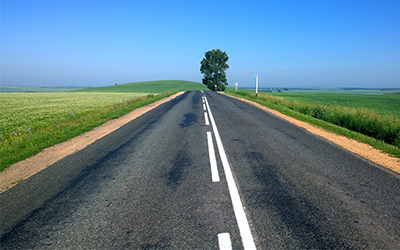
{"x":149,"y":185}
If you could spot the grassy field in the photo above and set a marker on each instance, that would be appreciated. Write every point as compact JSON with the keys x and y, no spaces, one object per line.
{"x":30,"y":122}
{"x":150,"y":87}
{"x":379,"y":101}
{"x":372,"y":119}
{"x":385,"y":104}
{"x":32,"y":89}
{"x":320,"y":91}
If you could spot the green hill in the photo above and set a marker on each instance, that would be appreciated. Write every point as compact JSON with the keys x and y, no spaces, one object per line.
{"x":150,"y":87}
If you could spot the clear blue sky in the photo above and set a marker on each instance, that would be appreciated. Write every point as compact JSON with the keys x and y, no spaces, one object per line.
{"x":299,"y":43}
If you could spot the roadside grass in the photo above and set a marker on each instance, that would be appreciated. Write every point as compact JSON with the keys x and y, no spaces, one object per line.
{"x":30,"y":122}
{"x":380,"y":130}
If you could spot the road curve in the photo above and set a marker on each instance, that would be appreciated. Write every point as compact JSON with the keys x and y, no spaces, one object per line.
{"x":149,"y":185}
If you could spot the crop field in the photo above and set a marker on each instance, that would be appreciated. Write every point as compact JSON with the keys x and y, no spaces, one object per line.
{"x":26,"y":112}
{"x":150,"y":87}
{"x":385,"y":104}
{"x":32,"y":89}
{"x":372,"y":119}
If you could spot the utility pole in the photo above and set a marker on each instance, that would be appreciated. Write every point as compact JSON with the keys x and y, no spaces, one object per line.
{"x":256,"y":76}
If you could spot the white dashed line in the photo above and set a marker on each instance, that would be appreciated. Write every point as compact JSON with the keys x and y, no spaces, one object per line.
{"x":213,"y":160}
{"x":243,"y":224}
{"x":206,"y":119}
{"x":224,"y":241}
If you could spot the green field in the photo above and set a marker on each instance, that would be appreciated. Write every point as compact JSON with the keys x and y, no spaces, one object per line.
{"x":150,"y":87}
{"x":372,"y":119}
{"x":27,"y":112}
{"x":30,"y":122}
{"x":385,"y":103}
{"x":32,"y":89}
{"x":320,"y":91}
{"x":379,"y":101}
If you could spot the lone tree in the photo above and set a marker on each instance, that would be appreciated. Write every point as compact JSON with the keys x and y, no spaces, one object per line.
{"x":213,"y":68}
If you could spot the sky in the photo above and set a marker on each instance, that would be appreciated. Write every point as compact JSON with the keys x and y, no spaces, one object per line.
{"x":297,"y":43}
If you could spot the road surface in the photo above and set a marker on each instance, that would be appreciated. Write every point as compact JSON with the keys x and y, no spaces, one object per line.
{"x":205,"y":171}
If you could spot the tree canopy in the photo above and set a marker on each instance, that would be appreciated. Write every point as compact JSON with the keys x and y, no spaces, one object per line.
{"x":213,"y":67}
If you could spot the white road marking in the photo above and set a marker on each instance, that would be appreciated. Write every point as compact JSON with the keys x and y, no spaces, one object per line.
{"x":213,"y":159}
{"x":224,"y":241}
{"x":243,"y":224}
{"x":204,"y":107}
{"x":206,"y":118}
